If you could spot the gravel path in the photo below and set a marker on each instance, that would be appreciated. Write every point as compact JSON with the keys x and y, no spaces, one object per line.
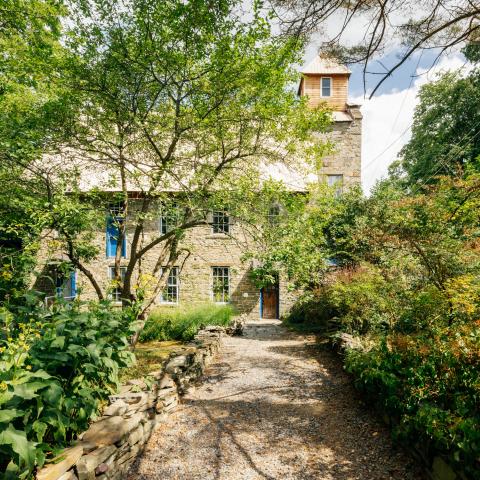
{"x":273,"y":406}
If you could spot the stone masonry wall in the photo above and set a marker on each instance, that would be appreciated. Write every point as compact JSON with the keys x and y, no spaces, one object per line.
{"x":346,"y":157}
{"x":111,"y":444}
{"x":206,"y":249}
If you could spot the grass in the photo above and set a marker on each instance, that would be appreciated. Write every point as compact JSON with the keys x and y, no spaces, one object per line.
{"x":182,"y":323}
{"x":150,"y":357}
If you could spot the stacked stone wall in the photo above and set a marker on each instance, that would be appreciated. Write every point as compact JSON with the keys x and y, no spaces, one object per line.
{"x":109,"y":447}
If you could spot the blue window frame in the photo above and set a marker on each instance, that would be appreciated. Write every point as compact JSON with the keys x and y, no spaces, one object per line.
{"x":66,"y":287}
{"x":112,"y":237}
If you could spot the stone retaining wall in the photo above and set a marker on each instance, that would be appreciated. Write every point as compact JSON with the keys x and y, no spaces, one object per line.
{"x":109,"y":447}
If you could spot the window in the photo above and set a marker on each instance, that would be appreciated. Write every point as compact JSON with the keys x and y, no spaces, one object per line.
{"x":337,"y":182}
{"x":273,"y":215}
{"x":112,"y":235}
{"x":170,"y":292}
{"x":220,"y":222}
{"x":221,"y":284}
{"x":116,"y":294}
{"x":326,"y":86}
{"x":169,"y":218}
{"x":66,"y":285}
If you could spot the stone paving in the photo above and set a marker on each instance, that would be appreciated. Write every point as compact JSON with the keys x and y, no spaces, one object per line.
{"x":274,"y":405}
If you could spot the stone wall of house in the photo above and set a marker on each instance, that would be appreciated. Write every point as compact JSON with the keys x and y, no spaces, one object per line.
{"x":206,"y":250}
{"x":109,"y":447}
{"x":346,"y":157}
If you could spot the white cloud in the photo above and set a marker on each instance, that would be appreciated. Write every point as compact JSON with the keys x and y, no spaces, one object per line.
{"x":387,"y":119}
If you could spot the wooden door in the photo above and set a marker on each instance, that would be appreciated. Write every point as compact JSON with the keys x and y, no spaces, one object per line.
{"x":270,"y":302}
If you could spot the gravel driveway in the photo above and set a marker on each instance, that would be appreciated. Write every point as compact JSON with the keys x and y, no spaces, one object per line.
{"x":273,"y":406}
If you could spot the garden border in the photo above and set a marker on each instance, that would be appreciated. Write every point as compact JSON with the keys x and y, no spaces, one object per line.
{"x":111,"y":444}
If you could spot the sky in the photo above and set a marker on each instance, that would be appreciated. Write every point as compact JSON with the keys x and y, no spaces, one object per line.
{"x":388,"y":116}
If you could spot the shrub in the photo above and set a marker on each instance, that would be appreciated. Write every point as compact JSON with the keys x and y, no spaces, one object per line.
{"x":56,"y":368}
{"x":429,"y":384}
{"x":182,"y":323}
{"x":357,"y":301}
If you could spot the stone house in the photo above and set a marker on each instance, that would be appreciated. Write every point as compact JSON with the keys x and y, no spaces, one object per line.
{"x":214,"y":270}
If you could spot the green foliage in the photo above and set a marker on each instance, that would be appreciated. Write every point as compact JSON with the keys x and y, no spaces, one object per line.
{"x":182,"y":323}
{"x":445,"y":133}
{"x":56,"y":368}
{"x":429,"y":385}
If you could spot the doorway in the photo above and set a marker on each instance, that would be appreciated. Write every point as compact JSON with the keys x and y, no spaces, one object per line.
{"x":269,"y":304}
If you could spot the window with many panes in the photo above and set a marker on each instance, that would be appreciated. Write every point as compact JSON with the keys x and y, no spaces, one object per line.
{"x":220,"y":222}
{"x":273,"y":214}
{"x":115,"y":221}
{"x":169,"y":218}
{"x":337,"y":182}
{"x":221,"y":284}
{"x":326,"y":86}
{"x":170,"y":292}
{"x":116,"y":294}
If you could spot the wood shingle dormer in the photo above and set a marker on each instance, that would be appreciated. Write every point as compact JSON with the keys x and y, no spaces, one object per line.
{"x":325,"y":81}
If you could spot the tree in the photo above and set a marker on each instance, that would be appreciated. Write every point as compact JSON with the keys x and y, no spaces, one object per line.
{"x":178,"y":103}
{"x":32,"y":107}
{"x":445,"y":132}
{"x":437,"y":24}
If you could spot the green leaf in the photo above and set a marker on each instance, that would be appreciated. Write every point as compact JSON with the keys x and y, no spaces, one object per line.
{"x":39,"y":428}
{"x":27,"y":391}
{"x":58,"y":342}
{"x":9,"y":414}
{"x":20,"y":445}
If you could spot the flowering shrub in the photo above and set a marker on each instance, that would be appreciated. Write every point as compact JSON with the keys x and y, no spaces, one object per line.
{"x":56,"y":368}
{"x":429,"y":384}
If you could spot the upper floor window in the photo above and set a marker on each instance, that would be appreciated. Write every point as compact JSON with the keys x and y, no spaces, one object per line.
{"x":326,"y":86}
{"x":273,"y":214}
{"x":113,"y":235}
{"x":221,"y":284}
{"x":170,"y":292}
{"x":116,"y":294}
{"x":337,"y":182}
{"x":168,"y":218}
{"x":220,"y":222}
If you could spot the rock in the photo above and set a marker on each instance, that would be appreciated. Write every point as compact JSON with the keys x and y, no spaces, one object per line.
{"x":118,"y":407}
{"x":345,"y":341}
{"x":442,"y":471}
{"x":107,"y":432}
{"x":102,"y":468}
{"x":128,"y":455}
{"x":70,"y":475}
{"x":62,"y":463}
{"x":135,"y":436}
{"x":166,"y":382}
{"x":128,"y":398}
{"x":88,"y":463}
{"x":138,"y":383}
{"x":175,"y":363}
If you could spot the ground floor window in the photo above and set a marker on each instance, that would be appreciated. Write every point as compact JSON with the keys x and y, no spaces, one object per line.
{"x":170,"y":292}
{"x":337,"y":182}
{"x":221,"y":284}
{"x":116,"y":294}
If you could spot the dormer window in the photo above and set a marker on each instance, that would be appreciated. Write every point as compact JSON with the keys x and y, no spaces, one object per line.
{"x":326,"y":86}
